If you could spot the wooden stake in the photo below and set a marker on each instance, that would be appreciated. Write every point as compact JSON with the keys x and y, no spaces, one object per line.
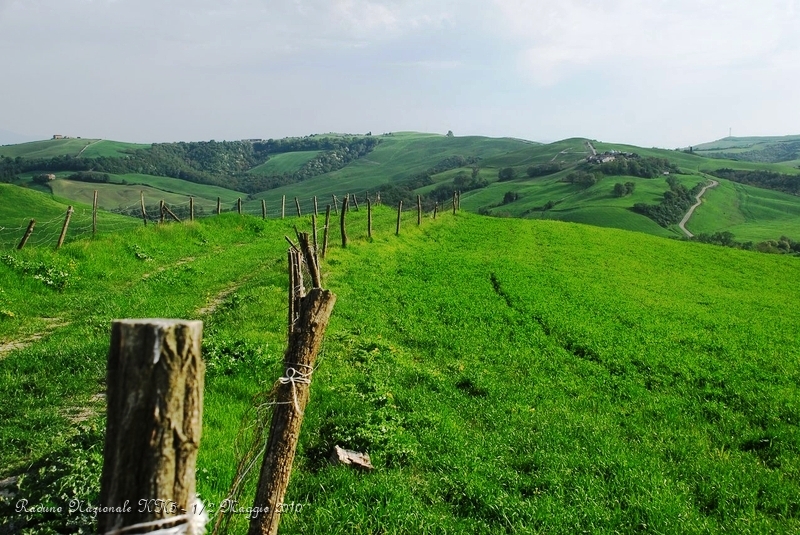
{"x":419,"y":210}
{"x":154,"y":396}
{"x":27,"y":234}
{"x":378,"y":198}
{"x":355,"y":201}
{"x":219,"y":206}
{"x":161,"y":209}
{"x":171,"y":214}
{"x":263,"y":209}
{"x":369,"y":218}
{"x":435,"y":209}
{"x":312,"y":315}
{"x":342,"y":225}
{"x":191,"y":208}
{"x":297,"y":204}
{"x":64,"y":228}
{"x":325,"y":234}
{"x":144,"y":214}
{"x":346,"y":203}
{"x":335,"y":205}
{"x":283,"y":207}
{"x":454,"y":203}
{"x":399,"y":211}
{"x":316,"y":213}
{"x":314,"y":234}
{"x":239,"y":206}
{"x":94,"y":214}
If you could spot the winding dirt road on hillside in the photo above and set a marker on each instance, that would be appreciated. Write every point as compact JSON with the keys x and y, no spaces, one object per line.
{"x":682,"y":224}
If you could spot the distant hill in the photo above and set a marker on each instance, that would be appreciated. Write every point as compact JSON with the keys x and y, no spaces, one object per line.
{"x":766,"y":149}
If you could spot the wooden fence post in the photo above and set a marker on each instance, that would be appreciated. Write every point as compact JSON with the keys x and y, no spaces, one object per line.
{"x":325,"y":234}
{"x":154,"y":396}
{"x":239,"y":206}
{"x":283,"y":207}
{"x":458,"y":200}
{"x":144,"y":213}
{"x":94,"y":213}
{"x":297,"y":204}
{"x":191,"y":208}
{"x":454,"y":203}
{"x":171,"y":213}
{"x":342,"y":225}
{"x":378,"y":198}
{"x":27,"y":234}
{"x":316,"y":213}
{"x":435,"y":209}
{"x":369,"y":218}
{"x":161,"y":209}
{"x":219,"y":206}
{"x":335,"y":205}
{"x":314,"y":234}
{"x":399,"y":211}
{"x":355,"y":201}
{"x":263,"y":209}
{"x":64,"y":228}
{"x":419,"y":210}
{"x":307,"y":329}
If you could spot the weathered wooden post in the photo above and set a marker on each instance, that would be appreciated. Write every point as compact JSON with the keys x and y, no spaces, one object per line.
{"x":458,"y":200}
{"x":316,"y":213}
{"x":378,"y":198}
{"x":419,"y":210}
{"x":239,"y":205}
{"x":342,"y":225}
{"x":435,"y":209}
{"x":314,"y":234}
{"x":325,"y":234}
{"x":335,"y":205}
{"x":355,"y":201}
{"x":219,"y":206}
{"x":27,"y":234}
{"x":161,"y":209}
{"x":263,"y":209}
{"x":399,"y":211}
{"x":191,"y":208}
{"x":454,"y":203}
{"x":64,"y":228}
{"x":94,"y":213}
{"x":283,"y":207}
{"x":154,"y":395}
{"x":297,"y":204}
{"x":171,"y":213}
{"x":369,"y":218}
{"x":144,"y":213}
{"x":306,"y":330}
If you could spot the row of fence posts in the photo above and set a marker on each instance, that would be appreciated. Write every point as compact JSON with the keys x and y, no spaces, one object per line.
{"x":154,"y":383}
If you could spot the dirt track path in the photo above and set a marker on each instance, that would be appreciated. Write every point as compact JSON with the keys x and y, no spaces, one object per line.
{"x":682,"y":224}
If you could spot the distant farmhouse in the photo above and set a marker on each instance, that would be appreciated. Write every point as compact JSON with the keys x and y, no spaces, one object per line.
{"x":610,"y":156}
{"x":59,"y":136}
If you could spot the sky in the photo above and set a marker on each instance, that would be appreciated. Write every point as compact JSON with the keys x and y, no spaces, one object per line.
{"x":663,"y":73}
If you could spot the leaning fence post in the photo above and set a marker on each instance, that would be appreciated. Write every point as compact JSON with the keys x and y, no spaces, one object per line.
{"x":94,"y":213}
{"x":399,"y":211}
{"x":297,"y":204}
{"x":171,"y":213}
{"x":312,"y":312}
{"x":64,"y":228}
{"x":342,"y":225}
{"x":355,"y":201}
{"x":144,"y":213}
{"x":154,"y":396}
{"x":27,"y":234}
{"x":325,"y":234}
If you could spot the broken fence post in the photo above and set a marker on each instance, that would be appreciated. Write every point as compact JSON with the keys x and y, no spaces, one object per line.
{"x":27,"y":234}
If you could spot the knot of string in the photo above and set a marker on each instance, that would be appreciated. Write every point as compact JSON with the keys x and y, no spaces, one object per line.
{"x":294,"y":377}
{"x":193,"y":523}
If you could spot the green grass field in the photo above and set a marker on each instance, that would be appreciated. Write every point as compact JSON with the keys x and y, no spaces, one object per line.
{"x":505,"y":376}
{"x":287,"y":162}
{"x":69,"y":147}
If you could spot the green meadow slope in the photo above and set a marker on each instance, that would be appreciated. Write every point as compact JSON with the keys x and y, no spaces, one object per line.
{"x":89,"y":148}
{"x":504,"y":375}
{"x":773,"y":149}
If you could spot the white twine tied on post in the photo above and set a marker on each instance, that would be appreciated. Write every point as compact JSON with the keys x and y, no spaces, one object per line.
{"x":191,"y":523}
{"x":294,"y":377}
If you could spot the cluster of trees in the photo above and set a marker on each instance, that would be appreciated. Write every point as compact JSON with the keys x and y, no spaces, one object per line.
{"x":783,"y":245}
{"x":583,"y":178}
{"x":90,"y":176}
{"x":649,"y":167}
{"x":216,"y":163}
{"x":510,"y":196}
{"x":621,"y":190}
{"x":779,"y":152}
{"x":675,"y":203}
{"x":762,"y":179}
{"x":463,"y":181}
{"x":544,"y":169}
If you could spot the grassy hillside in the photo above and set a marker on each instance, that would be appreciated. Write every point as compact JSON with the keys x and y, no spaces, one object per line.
{"x":89,"y":148}
{"x":771,"y":149}
{"x":287,"y":162}
{"x":504,"y":375}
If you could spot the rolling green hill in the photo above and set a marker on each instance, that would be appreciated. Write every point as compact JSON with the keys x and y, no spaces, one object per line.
{"x":89,"y":148}
{"x":287,"y":162}
{"x":769,"y":149}
{"x":504,"y":375}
